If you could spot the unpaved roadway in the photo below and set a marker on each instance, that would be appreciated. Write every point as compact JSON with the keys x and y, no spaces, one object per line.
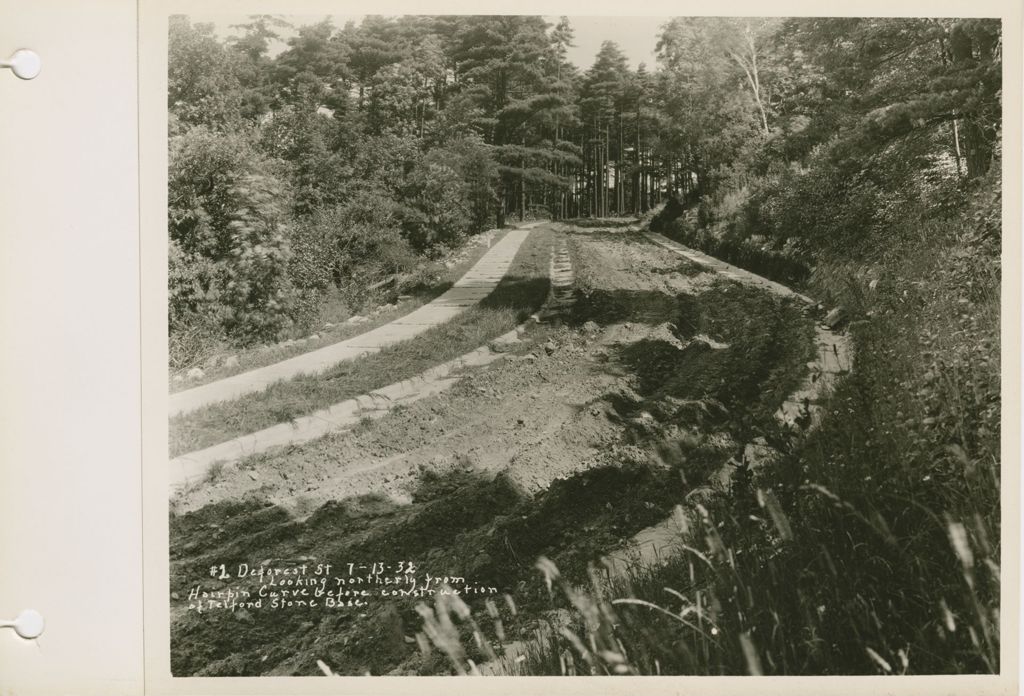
{"x":555,"y":449}
{"x":541,"y":413}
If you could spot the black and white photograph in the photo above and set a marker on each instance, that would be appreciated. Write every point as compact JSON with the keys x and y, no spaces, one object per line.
{"x":521,"y":345}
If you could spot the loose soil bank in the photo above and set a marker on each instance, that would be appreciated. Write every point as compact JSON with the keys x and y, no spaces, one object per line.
{"x":561,"y":449}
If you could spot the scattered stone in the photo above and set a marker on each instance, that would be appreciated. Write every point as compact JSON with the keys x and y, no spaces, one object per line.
{"x":591,"y":327}
{"x":174,"y":595}
{"x":873,"y":285}
{"x":499,"y":346}
{"x":387,"y":307}
{"x":702,"y":495}
{"x":328,"y":325}
{"x":314,"y":337}
{"x":520,"y":421}
{"x":253,"y":475}
{"x":710,"y":342}
{"x":299,"y":341}
{"x":550,"y":347}
{"x":835,"y":317}
{"x":195,"y":373}
{"x":231,"y":361}
{"x":357,"y":319}
{"x":403,"y":298}
{"x":178,"y":378}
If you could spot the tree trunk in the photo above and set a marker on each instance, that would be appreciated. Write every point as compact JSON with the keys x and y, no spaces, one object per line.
{"x":618,"y":170}
{"x":749,"y":65}
{"x":979,"y":150}
{"x":976,"y":141}
{"x":602,"y":177}
{"x":500,"y":217}
{"x":956,"y":150}
{"x":643,"y":182}
{"x":637,"y":188}
{"x":606,"y":172}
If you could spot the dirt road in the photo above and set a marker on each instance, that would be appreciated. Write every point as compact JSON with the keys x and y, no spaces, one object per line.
{"x":540,"y":414}
{"x":475,"y":285}
{"x":592,"y":427}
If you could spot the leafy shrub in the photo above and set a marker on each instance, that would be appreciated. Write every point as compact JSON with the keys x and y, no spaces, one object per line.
{"x":380,"y":163}
{"x":472,"y":160}
{"x":228,"y":228}
{"x":779,"y":266}
{"x":256,"y":298}
{"x":355,"y":246}
{"x":318,"y":153}
{"x":433,"y":206}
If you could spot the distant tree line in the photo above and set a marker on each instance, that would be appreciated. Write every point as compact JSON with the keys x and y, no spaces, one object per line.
{"x":358,"y":150}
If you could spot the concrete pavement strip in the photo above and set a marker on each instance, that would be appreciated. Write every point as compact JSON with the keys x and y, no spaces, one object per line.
{"x":475,"y":285}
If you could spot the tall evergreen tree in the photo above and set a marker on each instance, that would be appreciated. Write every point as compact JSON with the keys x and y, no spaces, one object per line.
{"x":503,"y":65}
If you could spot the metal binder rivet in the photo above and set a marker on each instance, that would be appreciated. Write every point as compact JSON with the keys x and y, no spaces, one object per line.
{"x":29,"y":624}
{"x":24,"y":63}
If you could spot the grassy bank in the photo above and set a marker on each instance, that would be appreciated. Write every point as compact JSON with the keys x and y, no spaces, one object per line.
{"x":871,"y":546}
{"x":519,"y":294}
{"x":774,"y":265}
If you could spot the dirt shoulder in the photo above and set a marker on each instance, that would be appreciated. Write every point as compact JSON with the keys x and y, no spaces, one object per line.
{"x":539,"y":415}
{"x":590,"y":429}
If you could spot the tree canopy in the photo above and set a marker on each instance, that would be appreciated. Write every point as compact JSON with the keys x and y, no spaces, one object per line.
{"x":452,"y":123}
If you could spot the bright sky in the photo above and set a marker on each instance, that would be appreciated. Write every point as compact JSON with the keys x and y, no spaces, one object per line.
{"x":636,"y":36}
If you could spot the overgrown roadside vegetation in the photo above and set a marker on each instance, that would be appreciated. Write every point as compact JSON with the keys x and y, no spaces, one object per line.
{"x":867,"y":546}
{"x":871,"y":545}
{"x":517,"y":296}
{"x":879,"y":552}
{"x":339,"y":318}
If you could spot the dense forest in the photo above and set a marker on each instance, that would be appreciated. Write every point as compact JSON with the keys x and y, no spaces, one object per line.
{"x":344,"y":158}
{"x":854,"y":159}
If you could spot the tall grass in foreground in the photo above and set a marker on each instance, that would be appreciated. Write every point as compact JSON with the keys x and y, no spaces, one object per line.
{"x":730,"y":607}
{"x":868,"y":546}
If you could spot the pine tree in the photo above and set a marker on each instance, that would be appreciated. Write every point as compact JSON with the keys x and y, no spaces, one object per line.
{"x":503,"y":63}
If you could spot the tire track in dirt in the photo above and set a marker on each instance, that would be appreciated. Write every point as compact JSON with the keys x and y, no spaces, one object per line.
{"x":541,"y":413}
{"x":192,"y":467}
{"x":800,"y":410}
{"x":543,"y":452}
